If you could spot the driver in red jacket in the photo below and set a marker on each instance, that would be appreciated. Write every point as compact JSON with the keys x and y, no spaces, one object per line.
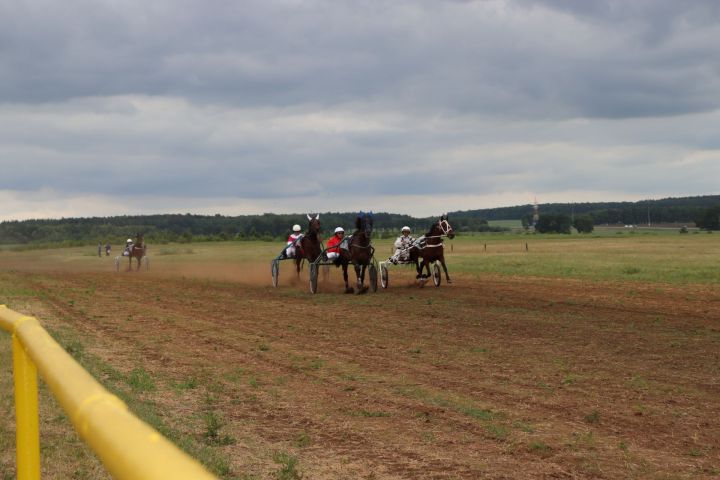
{"x":333,"y":245}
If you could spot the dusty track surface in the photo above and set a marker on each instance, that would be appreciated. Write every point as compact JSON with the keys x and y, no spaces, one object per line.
{"x":486,"y":378}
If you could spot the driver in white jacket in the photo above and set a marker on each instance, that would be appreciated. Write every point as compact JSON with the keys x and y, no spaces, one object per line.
{"x":402,"y":246}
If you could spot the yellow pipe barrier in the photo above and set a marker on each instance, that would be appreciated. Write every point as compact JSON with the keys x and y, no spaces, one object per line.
{"x":27,"y":430}
{"x":129,"y":448}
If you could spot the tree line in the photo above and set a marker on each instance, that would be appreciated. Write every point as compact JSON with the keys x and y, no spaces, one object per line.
{"x":190,"y":227}
{"x":703,"y":211}
{"x":666,"y":210}
{"x":704,"y":218}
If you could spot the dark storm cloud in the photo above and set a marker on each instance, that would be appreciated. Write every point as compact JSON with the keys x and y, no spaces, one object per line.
{"x":282,"y":100}
{"x":545,"y":58}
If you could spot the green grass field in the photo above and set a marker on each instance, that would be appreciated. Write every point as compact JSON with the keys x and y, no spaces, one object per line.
{"x":505,"y":223}
{"x":651,"y":257}
{"x":655,"y":256}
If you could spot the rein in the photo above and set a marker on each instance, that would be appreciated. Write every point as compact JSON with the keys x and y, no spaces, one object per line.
{"x":444,"y":234}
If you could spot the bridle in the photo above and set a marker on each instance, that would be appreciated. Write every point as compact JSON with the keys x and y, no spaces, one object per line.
{"x":445,"y":228}
{"x":313,"y":230}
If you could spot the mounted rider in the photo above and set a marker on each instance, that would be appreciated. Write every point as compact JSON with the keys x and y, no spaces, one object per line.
{"x":402,"y":246}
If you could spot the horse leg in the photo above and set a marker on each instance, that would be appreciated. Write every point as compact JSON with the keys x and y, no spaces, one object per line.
{"x":442,"y":262}
{"x":419,"y":268}
{"x":348,"y":288}
{"x":422,"y":278}
{"x":360,"y":273}
{"x":424,"y":265}
{"x":362,"y":278}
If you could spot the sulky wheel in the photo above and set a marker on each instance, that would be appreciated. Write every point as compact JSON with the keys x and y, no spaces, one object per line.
{"x":384,"y":276}
{"x":313,"y":277}
{"x":275,"y":271}
{"x":372,"y":272}
{"x":436,"y":274}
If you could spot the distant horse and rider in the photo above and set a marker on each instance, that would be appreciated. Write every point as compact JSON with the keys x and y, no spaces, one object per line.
{"x":134,"y":249}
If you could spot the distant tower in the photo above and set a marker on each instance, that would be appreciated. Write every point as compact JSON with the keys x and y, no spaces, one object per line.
{"x":536,"y":214}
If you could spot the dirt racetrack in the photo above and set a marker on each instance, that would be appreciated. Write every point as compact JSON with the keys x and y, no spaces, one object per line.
{"x":492,"y":377}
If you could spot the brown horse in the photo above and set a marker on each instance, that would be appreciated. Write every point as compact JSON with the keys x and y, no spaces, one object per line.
{"x":359,"y":251}
{"x":137,"y":251}
{"x":309,"y":246}
{"x":429,"y":247}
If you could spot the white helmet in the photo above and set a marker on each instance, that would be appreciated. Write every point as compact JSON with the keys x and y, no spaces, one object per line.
{"x":339,"y":229}
{"x":405,"y":228}
{"x":129,"y":240}
{"x":296,"y":228}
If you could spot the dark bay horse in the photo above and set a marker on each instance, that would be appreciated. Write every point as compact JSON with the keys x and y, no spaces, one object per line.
{"x":429,"y":247}
{"x":309,"y":246}
{"x":359,"y":251}
{"x":137,"y":251}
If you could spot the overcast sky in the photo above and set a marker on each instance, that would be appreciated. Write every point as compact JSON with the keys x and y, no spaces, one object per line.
{"x":114,"y":107}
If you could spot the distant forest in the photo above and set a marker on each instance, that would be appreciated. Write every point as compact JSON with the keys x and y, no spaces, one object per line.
{"x":668,"y":210}
{"x":187,"y":227}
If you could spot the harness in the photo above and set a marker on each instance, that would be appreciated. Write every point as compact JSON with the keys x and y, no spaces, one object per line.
{"x":421,"y":242}
{"x":349,"y":241}
{"x":424,"y":244}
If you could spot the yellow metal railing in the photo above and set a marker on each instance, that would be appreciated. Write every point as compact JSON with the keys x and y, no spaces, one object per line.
{"x":129,"y":448}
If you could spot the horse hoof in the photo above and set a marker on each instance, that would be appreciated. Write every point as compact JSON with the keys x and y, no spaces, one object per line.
{"x":362,"y":290}
{"x":349,"y":290}
{"x":421,"y":282}
{"x":449,"y":281}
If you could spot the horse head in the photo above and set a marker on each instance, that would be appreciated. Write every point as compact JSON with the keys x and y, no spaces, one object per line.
{"x":445,"y":226}
{"x":314,"y":224}
{"x":364,"y":223}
